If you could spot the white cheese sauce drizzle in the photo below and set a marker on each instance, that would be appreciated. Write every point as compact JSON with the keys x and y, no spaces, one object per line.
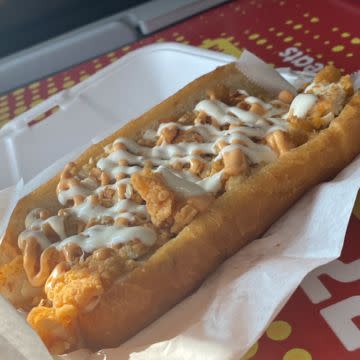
{"x":99,"y":236}
{"x":246,"y":128}
{"x":301,"y":105}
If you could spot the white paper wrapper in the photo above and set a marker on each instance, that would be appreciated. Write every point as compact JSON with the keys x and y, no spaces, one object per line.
{"x":261,"y":74}
{"x":233,"y":307}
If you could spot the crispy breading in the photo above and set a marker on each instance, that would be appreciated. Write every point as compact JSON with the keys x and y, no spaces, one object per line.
{"x":168,"y":134}
{"x":188,"y":136}
{"x":331,"y":99}
{"x":160,"y":201}
{"x":347,"y":84}
{"x":79,"y":287}
{"x":280,"y":141}
{"x":57,"y":327}
{"x":235,"y":162}
{"x":23,"y":294}
{"x":328,"y":74}
{"x":183,"y":217}
{"x":110,"y":264}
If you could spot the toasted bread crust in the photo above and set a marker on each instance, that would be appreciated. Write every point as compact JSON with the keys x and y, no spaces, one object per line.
{"x":181,"y":265}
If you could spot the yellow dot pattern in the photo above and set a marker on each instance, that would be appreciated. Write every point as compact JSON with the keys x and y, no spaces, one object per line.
{"x":224,"y":44}
{"x":18,"y":92}
{"x":338,"y":48}
{"x":68,"y":84}
{"x":4,"y":109}
{"x":24,"y":98}
{"x":4,"y":117}
{"x":36,"y":102}
{"x":34,"y":85}
{"x":84,"y":77}
{"x":254,"y":36}
{"x":314,"y":20}
{"x":20,"y":103}
{"x":356,"y":209}
{"x":20,"y":110}
{"x":261,"y":41}
{"x":287,"y":33}
{"x":251,"y":352}
{"x":279,"y":330}
{"x":297,"y":354}
{"x":53,"y":90}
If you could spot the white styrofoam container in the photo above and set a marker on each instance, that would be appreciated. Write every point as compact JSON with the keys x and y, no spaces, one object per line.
{"x":101,"y":104}
{"x":96,"y":107}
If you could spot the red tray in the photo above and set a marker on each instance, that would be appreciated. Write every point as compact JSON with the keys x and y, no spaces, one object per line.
{"x":324,"y":321}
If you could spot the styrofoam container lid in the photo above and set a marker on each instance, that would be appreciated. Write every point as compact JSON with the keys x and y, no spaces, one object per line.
{"x":96,"y":107}
{"x":101,"y":104}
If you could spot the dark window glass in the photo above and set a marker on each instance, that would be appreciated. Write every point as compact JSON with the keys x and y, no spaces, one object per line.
{"x":24,"y":23}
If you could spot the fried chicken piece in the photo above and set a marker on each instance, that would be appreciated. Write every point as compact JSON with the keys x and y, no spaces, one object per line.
{"x":57,"y":327}
{"x":111,"y":264}
{"x":280,"y":142}
{"x":193,"y":206}
{"x":165,"y":208}
{"x":167,"y":135}
{"x":235,"y":162}
{"x":332,"y":91}
{"x":79,"y":287}
{"x":188,"y":136}
{"x":70,"y":292}
{"x":160,"y":201}
{"x":347,"y":84}
{"x":328,"y":74}
{"x":15,"y":286}
{"x":183,"y":217}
